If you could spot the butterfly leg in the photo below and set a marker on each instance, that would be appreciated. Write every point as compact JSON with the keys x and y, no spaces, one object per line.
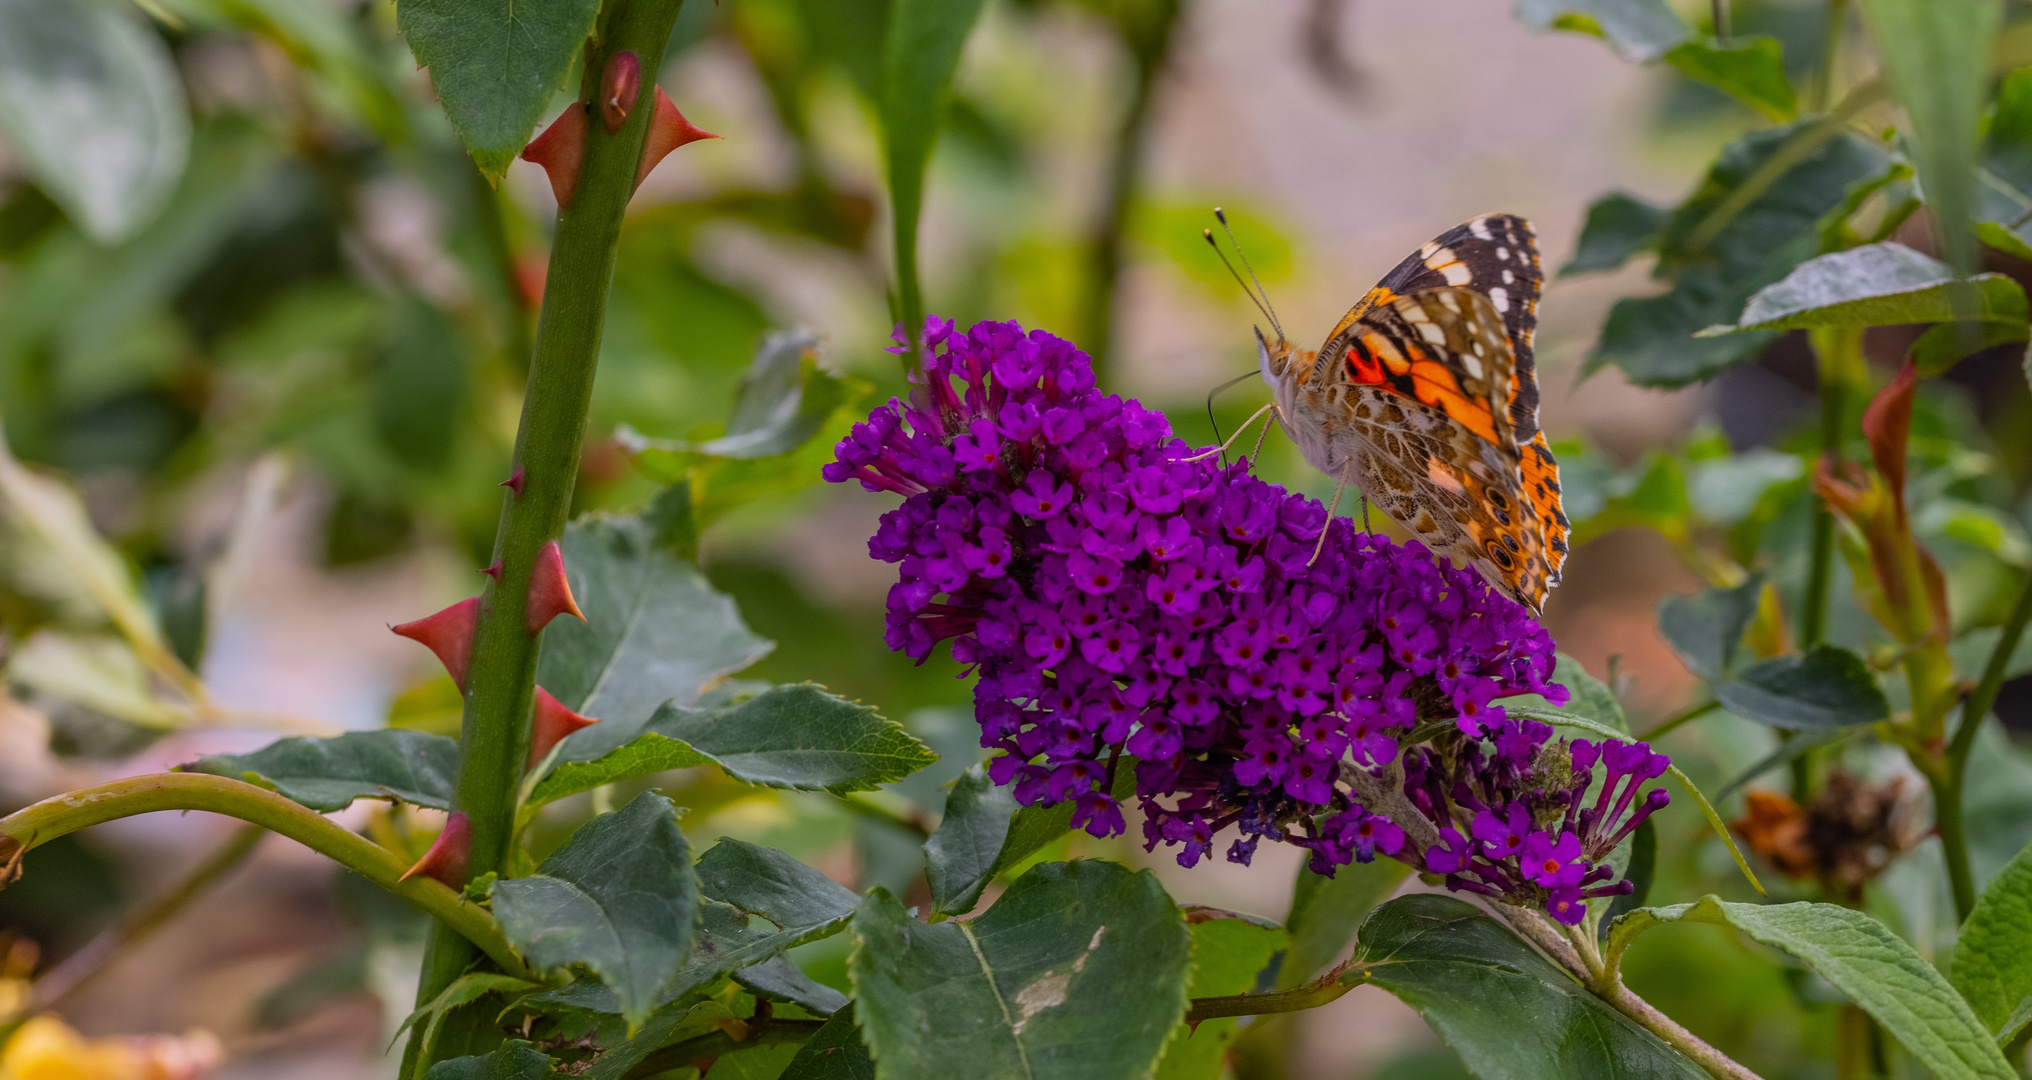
{"x":1223,"y":448}
{"x":1331,"y":507}
{"x":1257,"y":453}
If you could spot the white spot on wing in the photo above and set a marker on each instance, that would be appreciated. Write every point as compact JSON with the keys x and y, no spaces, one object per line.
{"x":1508,"y":277}
{"x":1502,"y":253}
{"x":1480,"y":227}
{"x":1457,"y":273}
{"x":1500,"y":297}
{"x":1432,"y":332}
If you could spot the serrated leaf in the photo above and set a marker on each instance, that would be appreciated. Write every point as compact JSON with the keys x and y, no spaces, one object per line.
{"x":1993,"y":956}
{"x":619,"y":898}
{"x":1325,"y":912}
{"x":464,"y":990}
{"x":979,"y":837}
{"x":516,"y":1060}
{"x":1885,"y":284}
{"x":1777,"y":228}
{"x":1707,"y":628}
{"x":1864,"y":960}
{"x":1936,"y":56}
{"x":795,"y":736}
{"x":328,"y":774}
{"x":773,"y":885}
{"x":1227,"y":956}
{"x":780,"y":979}
{"x":1618,"y":227}
{"x":1749,"y":69}
{"x":835,"y":1052}
{"x":1641,"y":30}
{"x":1824,"y":687}
{"x":1078,"y":971}
{"x":655,"y":631}
{"x":495,"y":65}
{"x":90,"y":100}
{"x":1508,"y":1012}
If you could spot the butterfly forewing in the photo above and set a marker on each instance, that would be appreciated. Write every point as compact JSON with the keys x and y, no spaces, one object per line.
{"x":1427,"y":397}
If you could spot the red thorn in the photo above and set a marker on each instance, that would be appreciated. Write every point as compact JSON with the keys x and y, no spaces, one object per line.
{"x":668,"y":130}
{"x":553,"y":723}
{"x":549,"y":591}
{"x":493,"y":571}
{"x":514,"y":482}
{"x":561,"y":149}
{"x":449,"y":634}
{"x":620,"y":85}
{"x":448,"y":855}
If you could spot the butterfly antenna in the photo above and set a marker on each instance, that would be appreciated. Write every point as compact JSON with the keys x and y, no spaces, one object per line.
{"x":1232,"y":272}
{"x":1270,"y":313}
{"x":1216,"y":392}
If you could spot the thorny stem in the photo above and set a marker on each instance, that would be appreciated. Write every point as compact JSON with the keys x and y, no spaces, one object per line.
{"x":1148,"y":37}
{"x":501,"y":675}
{"x":92,"y":961}
{"x":1947,"y":810}
{"x":61,"y":815}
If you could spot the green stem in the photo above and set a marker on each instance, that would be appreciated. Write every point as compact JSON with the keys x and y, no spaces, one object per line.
{"x":32,"y":826}
{"x":93,"y":960}
{"x":1149,"y":46}
{"x":1684,"y":716}
{"x":1328,"y":987}
{"x":502,"y":672}
{"x":1830,"y":47}
{"x":1720,"y":9}
{"x":1947,"y":794}
{"x":668,"y":1060}
{"x":1838,"y":353}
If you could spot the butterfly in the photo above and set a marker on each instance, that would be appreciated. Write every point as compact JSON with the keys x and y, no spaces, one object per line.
{"x":1426,"y":398}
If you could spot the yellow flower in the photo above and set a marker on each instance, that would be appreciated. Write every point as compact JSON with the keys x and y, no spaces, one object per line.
{"x":46,"y":1048}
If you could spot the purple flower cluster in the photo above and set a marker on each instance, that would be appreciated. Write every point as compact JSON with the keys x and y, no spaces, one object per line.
{"x":1530,"y":833}
{"x":1117,"y":594}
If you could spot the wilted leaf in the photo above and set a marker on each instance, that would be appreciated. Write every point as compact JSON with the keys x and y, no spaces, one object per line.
{"x":98,"y":671}
{"x":328,"y":774}
{"x":90,"y":98}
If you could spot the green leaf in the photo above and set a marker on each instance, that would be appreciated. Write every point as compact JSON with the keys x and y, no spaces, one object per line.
{"x":919,"y":56}
{"x":978,"y":838}
{"x":516,"y":1060}
{"x":779,"y":979}
{"x":1749,"y":69}
{"x":1588,"y":696}
{"x":1944,"y":345}
{"x":1936,"y":55}
{"x":1618,"y":227}
{"x":1227,"y":955}
{"x":654,"y":630}
{"x":794,"y":736}
{"x":1325,"y":912}
{"x":1776,"y":226}
{"x":1078,"y":971}
{"x":328,"y":774}
{"x":1824,"y":687}
{"x":495,"y":65}
{"x":784,"y":400}
{"x":1508,"y":1012}
{"x":90,"y":100}
{"x":960,"y":858}
{"x":835,"y":1052}
{"x":1993,"y":957}
{"x":1706,"y":628}
{"x":1873,"y":966}
{"x":619,"y":898}
{"x":1885,"y":284}
{"x":774,"y":885}
{"x":1641,"y":30}
{"x":464,"y":990}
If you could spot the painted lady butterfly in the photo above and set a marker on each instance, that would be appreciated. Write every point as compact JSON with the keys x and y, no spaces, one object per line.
{"x":1425,"y":397}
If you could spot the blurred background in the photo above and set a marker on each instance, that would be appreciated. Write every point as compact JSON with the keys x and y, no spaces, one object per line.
{"x":286,"y":390}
